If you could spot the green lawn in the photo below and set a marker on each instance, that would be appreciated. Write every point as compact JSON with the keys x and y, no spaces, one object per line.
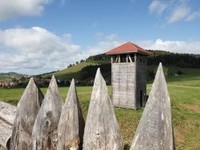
{"x":185,"y":101}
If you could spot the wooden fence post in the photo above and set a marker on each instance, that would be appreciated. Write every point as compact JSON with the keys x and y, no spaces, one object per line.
{"x":7,"y":117}
{"x":71,"y":124}
{"x":27,"y":110}
{"x":155,"y":127}
{"x":5,"y":135}
{"x":45,"y":127}
{"x":7,"y":112}
{"x":101,"y":129}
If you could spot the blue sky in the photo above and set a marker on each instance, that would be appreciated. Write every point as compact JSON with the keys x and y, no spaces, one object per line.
{"x":38,"y":36}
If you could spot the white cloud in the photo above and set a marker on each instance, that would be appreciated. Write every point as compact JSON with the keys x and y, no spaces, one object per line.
{"x":180,"y":13}
{"x":157,"y":7}
{"x":35,"y":50}
{"x":13,"y":8}
{"x":105,"y":43}
{"x":192,"y":47}
{"x":174,"y":10}
{"x":193,"y":16}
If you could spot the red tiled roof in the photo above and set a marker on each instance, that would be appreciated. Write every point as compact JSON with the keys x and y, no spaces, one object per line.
{"x":128,"y":48}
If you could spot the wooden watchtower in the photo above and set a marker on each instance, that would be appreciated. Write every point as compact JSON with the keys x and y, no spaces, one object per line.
{"x":128,"y":75}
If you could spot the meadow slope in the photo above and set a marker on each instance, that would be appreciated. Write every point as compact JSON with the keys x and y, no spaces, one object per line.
{"x":184,"y":92}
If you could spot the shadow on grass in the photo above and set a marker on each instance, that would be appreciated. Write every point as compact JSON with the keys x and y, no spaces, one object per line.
{"x":12,"y":101}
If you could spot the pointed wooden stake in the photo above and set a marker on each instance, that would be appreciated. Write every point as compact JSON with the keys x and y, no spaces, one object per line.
{"x":101,"y":130}
{"x":27,"y":110}
{"x":71,"y":124}
{"x":155,"y":127}
{"x":45,"y":127}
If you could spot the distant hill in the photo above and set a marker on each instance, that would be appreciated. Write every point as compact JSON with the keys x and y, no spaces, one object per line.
{"x":175,"y":59}
{"x":84,"y":71}
{"x":10,"y":75}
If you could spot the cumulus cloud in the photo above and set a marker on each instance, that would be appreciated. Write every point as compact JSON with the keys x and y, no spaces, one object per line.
{"x":108,"y":42}
{"x":175,"y":11}
{"x":192,"y":47}
{"x":105,"y":43}
{"x":13,"y":8}
{"x":35,"y":50}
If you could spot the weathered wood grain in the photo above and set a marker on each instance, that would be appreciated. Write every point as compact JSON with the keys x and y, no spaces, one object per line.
{"x":5,"y":134}
{"x":7,"y":112}
{"x":27,"y":110}
{"x":45,"y":127}
{"x":71,"y":124}
{"x":7,"y":117}
{"x":129,"y":83}
{"x":101,"y":130}
{"x":154,"y":131}
{"x":124,"y":85}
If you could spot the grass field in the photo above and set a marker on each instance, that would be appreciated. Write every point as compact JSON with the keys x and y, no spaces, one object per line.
{"x":185,"y":101}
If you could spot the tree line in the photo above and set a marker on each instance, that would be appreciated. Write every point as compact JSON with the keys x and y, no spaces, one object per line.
{"x":167,"y":58}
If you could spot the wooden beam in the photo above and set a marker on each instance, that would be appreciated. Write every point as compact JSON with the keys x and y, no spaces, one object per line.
{"x":111,"y":59}
{"x":135,"y":58}
{"x":119,"y":59}
{"x":130,"y":59}
{"x":127,"y":58}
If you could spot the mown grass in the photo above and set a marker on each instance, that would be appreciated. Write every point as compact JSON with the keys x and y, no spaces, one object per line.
{"x":190,"y":77}
{"x":185,"y":101}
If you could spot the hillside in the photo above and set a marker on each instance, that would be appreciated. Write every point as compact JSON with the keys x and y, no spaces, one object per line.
{"x":10,"y":76}
{"x":84,"y":71}
{"x":175,"y":64}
